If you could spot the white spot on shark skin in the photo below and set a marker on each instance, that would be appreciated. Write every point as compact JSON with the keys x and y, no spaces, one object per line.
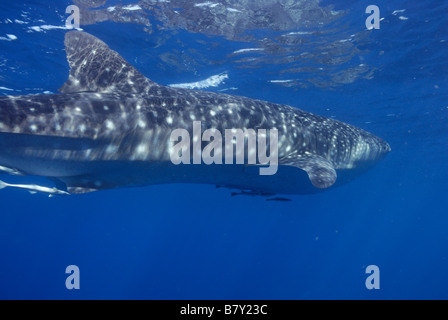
{"x":142,"y":149}
{"x":111,"y":149}
{"x":33,"y":128}
{"x":141,"y":123}
{"x":169,"y":120}
{"x":82,"y":128}
{"x":109,"y":125}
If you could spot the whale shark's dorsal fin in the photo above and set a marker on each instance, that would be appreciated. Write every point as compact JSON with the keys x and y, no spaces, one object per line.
{"x":95,"y":67}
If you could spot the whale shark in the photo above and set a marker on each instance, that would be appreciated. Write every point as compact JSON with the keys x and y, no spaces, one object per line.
{"x":111,"y":127}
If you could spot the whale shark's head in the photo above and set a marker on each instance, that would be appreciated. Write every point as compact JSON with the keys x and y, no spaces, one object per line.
{"x":370,"y":148}
{"x":365,"y":151}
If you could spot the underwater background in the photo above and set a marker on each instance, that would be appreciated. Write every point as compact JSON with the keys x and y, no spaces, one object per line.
{"x":199,"y":242}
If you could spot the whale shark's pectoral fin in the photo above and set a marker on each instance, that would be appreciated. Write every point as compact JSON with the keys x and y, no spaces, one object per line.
{"x":320,"y":171}
{"x":95,"y":67}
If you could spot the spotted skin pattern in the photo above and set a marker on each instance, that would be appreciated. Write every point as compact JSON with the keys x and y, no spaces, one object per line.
{"x":109,"y":115}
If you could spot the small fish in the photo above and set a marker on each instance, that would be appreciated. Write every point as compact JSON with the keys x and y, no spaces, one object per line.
{"x":279,"y":199}
{"x":33,"y":188}
{"x":251,"y":193}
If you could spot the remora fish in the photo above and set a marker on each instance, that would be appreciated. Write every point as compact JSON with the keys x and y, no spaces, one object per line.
{"x":33,"y":188}
{"x":110,"y":127}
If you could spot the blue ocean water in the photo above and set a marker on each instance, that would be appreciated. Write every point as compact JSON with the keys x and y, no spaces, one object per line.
{"x":199,"y":242}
